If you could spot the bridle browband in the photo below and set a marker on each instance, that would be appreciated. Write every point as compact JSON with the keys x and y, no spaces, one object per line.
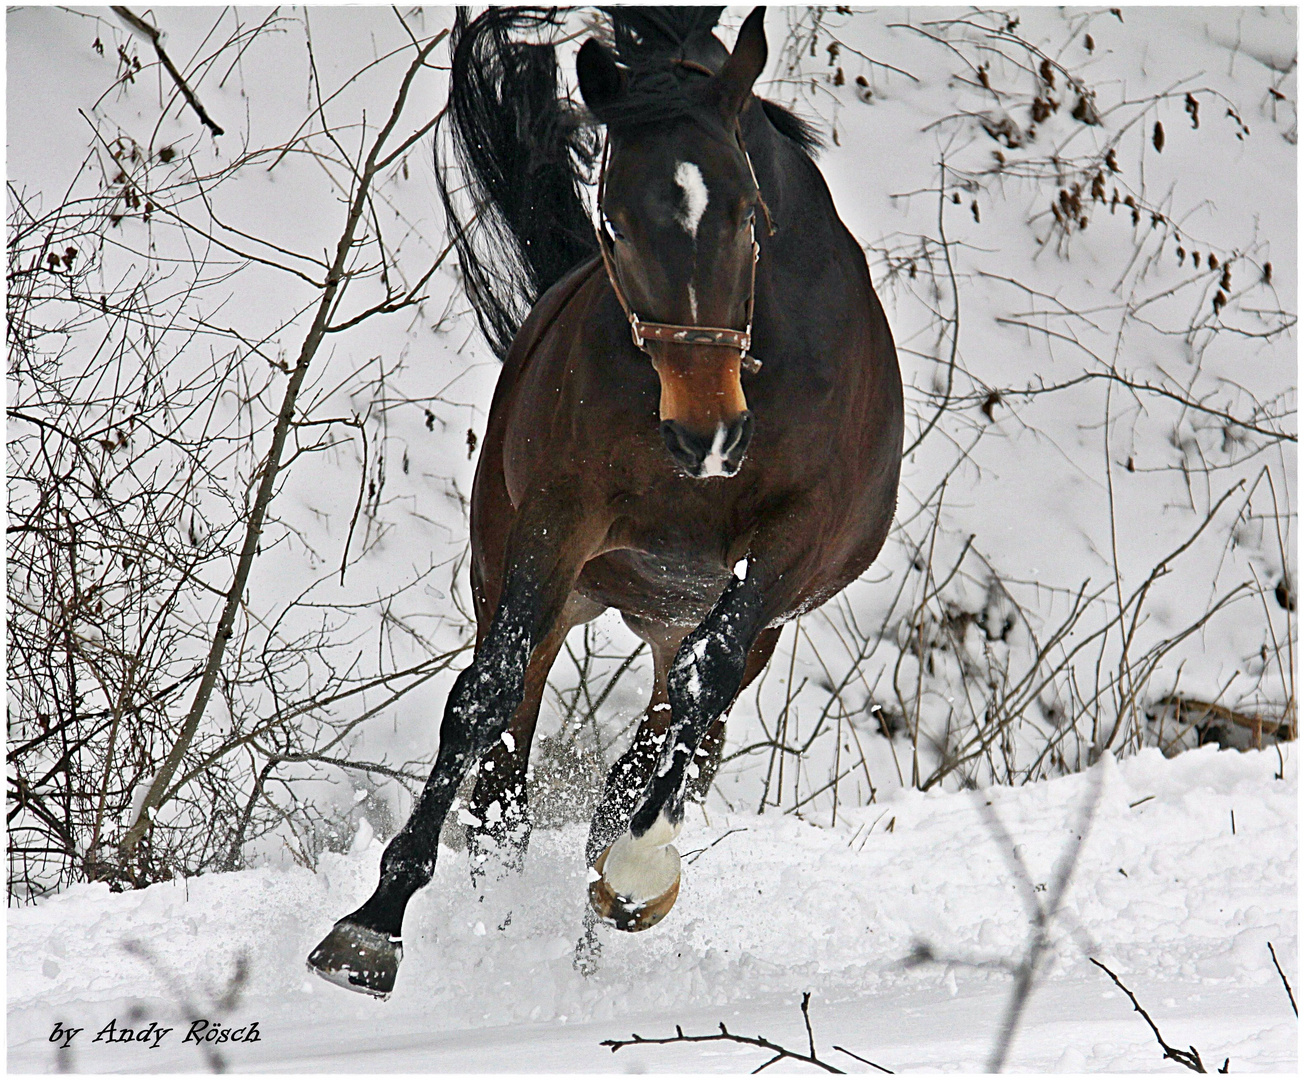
{"x":670,"y":333}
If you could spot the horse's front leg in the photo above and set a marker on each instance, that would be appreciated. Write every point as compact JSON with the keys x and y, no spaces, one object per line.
{"x":635,"y":881}
{"x":550,"y":541}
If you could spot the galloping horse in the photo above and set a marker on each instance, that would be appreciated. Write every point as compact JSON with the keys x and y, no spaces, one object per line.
{"x":699,"y":423}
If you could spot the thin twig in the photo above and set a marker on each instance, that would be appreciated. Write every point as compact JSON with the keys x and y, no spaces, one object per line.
{"x":874,"y":1064}
{"x":135,"y":22}
{"x":725,"y":1035}
{"x":1191,"y":1058}
{"x":1284,"y":983}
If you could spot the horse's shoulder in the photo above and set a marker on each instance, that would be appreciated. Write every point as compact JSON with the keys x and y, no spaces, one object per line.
{"x":541,"y":318}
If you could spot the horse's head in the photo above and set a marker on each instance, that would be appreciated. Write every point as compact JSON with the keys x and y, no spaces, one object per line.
{"x":679,"y":203}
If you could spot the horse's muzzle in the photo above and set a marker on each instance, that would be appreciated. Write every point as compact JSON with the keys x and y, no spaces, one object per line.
{"x":716,"y":453}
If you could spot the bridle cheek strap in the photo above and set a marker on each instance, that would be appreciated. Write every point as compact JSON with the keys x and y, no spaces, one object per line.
{"x":670,"y":333}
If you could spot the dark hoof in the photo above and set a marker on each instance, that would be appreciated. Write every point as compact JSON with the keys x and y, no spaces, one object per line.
{"x":626,"y":913}
{"x":358,"y":959}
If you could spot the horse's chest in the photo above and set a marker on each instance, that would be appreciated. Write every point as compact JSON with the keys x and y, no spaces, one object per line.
{"x":673,"y":587}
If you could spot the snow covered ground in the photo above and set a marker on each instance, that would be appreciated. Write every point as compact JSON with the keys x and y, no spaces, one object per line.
{"x":1164,"y":894}
{"x":1042,"y":492}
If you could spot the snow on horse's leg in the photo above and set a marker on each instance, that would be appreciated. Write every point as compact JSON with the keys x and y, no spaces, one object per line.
{"x":589,"y":947}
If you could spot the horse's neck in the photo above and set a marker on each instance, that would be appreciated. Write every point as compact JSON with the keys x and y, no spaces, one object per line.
{"x":794,"y":190}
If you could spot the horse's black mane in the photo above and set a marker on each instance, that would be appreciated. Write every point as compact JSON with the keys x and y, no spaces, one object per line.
{"x":649,"y":41}
{"x":525,"y":152}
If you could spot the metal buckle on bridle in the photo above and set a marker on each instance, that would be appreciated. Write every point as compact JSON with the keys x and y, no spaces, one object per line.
{"x":670,"y":333}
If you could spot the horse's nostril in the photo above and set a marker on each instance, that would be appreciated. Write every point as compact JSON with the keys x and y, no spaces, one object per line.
{"x":685,"y":447}
{"x":740,"y":435}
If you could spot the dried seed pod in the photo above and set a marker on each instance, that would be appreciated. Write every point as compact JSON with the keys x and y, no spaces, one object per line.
{"x":1111,"y":161}
{"x":1181,"y":254}
{"x":1226,"y":283}
{"x":1085,"y":110}
{"x":839,"y":79}
{"x":1159,"y":137}
{"x":1040,"y":109}
{"x":1213,"y":261}
{"x":1089,"y":43}
{"x":1195,"y":259}
{"x":1193,"y":110}
{"x":1098,"y":188}
{"x":974,"y":208}
{"x":1267,"y":273}
{"x":1219,"y":301}
{"x":1047,"y":73}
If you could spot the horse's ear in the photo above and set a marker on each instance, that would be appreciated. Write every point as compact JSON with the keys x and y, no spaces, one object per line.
{"x":601,"y":81}
{"x":734,"y":82}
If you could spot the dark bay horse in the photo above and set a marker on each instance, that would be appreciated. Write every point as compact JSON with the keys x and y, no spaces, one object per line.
{"x":638,"y":456}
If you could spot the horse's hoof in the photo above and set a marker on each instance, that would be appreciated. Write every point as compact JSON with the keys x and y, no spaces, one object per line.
{"x":625,"y":906}
{"x":357,"y":958}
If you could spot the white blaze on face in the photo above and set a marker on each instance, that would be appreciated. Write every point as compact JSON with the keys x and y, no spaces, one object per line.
{"x":689,"y":178}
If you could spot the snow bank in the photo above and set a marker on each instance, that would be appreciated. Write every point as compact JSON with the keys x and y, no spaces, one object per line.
{"x":1164,"y":893}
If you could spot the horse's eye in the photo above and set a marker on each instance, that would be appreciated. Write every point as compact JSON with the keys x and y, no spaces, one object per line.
{"x":611,"y":227}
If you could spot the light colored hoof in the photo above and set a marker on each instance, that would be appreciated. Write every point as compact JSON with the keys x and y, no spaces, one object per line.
{"x":628,"y":910}
{"x":358,"y":959}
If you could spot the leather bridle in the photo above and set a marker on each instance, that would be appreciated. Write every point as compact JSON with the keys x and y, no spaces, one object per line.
{"x":643,"y":331}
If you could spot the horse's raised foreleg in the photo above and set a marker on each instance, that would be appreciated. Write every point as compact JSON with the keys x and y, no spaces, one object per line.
{"x":635,"y":880}
{"x":628,"y":778}
{"x":547,"y":547}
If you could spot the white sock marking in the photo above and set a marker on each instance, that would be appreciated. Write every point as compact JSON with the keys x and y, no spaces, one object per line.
{"x":689,"y":178}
